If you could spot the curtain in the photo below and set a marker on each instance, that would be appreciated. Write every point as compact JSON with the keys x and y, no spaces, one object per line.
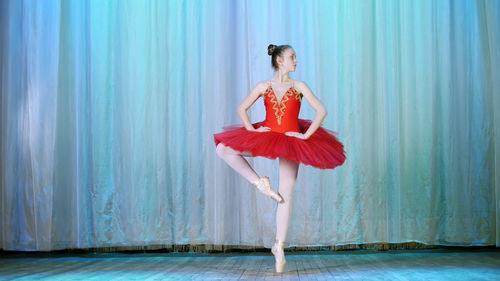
{"x":108,"y":110}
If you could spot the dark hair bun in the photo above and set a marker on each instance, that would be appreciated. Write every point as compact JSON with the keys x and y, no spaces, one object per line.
{"x":270,"y":49}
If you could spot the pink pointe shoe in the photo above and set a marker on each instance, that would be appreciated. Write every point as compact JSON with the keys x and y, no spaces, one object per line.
{"x":264,"y":186}
{"x":279,"y":255}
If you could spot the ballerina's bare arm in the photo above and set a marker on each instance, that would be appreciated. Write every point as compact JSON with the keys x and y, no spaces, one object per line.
{"x":254,"y":94}
{"x":316,"y":105}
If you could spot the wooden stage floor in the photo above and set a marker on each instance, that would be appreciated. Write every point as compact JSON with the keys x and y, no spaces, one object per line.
{"x":428,"y":264}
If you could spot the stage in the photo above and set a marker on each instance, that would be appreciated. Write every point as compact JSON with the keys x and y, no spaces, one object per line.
{"x":428,"y":264}
{"x":112,"y":116}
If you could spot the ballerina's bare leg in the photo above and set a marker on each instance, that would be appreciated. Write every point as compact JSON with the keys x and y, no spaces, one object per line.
{"x":288,"y":175}
{"x":236,"y":161}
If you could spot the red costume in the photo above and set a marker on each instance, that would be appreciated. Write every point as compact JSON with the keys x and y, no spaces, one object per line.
{"x":322,"y":150}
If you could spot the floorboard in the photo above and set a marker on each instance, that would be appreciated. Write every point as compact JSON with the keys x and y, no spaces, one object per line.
{"x":432,"y":264}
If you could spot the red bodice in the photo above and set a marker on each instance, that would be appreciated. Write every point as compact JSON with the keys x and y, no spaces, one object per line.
{"x":282,"y":116}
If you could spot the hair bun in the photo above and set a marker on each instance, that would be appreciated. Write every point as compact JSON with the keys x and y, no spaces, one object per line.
{"x":270,"y":49}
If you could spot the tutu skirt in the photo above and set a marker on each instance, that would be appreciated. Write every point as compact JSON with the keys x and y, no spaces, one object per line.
{"x":322,"y":150}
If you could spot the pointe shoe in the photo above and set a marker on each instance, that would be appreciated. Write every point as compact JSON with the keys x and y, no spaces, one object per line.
{"x":279,"y":255}
{"x":264,"y":186}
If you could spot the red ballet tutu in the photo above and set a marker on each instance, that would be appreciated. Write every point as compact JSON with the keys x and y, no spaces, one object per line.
{"x":322,"y":150}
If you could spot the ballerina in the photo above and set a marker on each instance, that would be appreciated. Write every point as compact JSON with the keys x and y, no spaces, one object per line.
{"x":281,"y":135}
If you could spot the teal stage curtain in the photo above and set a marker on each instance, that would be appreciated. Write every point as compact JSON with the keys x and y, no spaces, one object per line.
{"x":108,"y":110}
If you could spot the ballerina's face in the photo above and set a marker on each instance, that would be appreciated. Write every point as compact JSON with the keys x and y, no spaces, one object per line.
{"x":288,"y":60}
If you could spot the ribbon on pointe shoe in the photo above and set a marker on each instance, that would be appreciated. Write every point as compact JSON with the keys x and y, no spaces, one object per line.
{"x":279,"y":255}
{"x":263,"y":185}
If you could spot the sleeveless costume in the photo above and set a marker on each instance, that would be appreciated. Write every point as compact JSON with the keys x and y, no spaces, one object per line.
{"x":322,"y":150}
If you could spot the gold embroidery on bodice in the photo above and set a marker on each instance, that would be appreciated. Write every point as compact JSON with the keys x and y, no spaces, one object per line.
{"x":279,"y":107}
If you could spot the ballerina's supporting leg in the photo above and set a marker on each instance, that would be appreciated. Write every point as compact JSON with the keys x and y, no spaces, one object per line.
{"x":288,"y":177}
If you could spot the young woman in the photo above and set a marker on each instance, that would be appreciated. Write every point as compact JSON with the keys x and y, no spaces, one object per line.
{"x":281,"y":135}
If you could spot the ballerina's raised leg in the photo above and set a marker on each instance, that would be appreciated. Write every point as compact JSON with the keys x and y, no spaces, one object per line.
{"x":236,"y":161}
{"x":288,"y":176}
